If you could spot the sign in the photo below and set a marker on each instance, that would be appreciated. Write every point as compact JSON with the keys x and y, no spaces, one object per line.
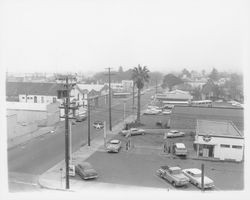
{"x":207,"y":138}
{"x":72,"y":170}
{"x":98,"y":125}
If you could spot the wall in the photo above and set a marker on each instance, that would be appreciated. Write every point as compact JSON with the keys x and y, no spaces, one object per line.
{"x":225,"y":153}
{"x":40,"y":98}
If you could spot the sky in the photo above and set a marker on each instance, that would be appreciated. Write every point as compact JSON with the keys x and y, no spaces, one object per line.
{"x":91,"y":35}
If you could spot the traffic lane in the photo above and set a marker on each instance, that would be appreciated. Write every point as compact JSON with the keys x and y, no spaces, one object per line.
{"x":39,"y":154}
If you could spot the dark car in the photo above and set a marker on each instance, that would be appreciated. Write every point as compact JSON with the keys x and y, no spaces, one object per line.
{"x":81,"y":117}
{"x":86,"y":171}
{"x":174,"y":175}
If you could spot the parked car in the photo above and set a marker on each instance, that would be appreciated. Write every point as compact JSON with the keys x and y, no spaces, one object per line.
{"x":151,"y":112}
{"x":175,"y":133}
{"x":133,"y":131}
{"x":113,"y":146}
{"x":174,"y":175}
{"x":194,"y":176}
{"x":166,"y":112}
{"x":81,"y":117}
{"x":98,"y":124}
{"x":167,"y":107}
{"x":180,"y":149}
{"x":86,"y":171}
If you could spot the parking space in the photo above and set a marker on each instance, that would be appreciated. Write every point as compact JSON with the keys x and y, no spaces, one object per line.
{"x":137,"y":165}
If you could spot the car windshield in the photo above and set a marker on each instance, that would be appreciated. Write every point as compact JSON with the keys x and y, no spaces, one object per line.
{"x":176,"y":171}
{"x":196,"y":174}
{"x":114,"y":141}
{"x":174,"y":131}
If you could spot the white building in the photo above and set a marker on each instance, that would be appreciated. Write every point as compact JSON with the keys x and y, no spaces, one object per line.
{"x":174,"y":97}
{"x":219,"y":139}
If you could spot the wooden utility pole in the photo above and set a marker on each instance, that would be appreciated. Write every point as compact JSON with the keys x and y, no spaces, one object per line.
{"x":110,"y":117}
{"x":202,"y":176}
{"x":88,"y":121}
{"x":65,"y":94}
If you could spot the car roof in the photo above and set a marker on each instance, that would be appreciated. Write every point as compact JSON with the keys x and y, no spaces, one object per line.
{"x":175,"y":168}
{"x":194,"y":170}
{"x":115,"y":140}
{"x":173,"y":130}
{"x":180,"y":145}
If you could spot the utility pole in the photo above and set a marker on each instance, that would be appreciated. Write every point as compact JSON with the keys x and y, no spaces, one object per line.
{"x":88,"y":121}
{"x":65,"y":94}
{"x":156,"y":87}
{"x":133,"y":95}
{"x":124,"y":111}
{"x":202,"y":176}
{"x":110,"y":118}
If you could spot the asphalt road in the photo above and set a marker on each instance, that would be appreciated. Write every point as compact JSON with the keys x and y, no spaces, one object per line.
{"x":39,"y":154}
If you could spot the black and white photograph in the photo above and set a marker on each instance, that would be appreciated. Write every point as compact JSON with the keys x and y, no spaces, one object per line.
{"x":115,"y":99}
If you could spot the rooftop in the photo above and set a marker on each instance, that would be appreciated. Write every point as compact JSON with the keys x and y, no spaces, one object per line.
{"x":31,"y":88}
{"x":220,"y":128}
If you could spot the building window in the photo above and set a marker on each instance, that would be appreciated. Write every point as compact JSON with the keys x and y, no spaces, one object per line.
{"x":42,"y":99}
{"x":225,"y":145}
{"x":35,"y":99}
{"x":54,"y":99}
{"x":236,"y":147}
{"x":23,"y":97}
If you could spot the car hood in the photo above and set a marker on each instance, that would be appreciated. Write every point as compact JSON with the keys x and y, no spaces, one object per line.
{"x":90,"y":172}
{"x":180,"y":176}
{"x":206,"y":180}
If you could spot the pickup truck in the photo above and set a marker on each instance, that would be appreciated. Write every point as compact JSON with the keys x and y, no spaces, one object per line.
{"x":174,"y":175}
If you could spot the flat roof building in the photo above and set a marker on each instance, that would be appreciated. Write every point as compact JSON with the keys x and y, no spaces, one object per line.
{"x":219,"y":139}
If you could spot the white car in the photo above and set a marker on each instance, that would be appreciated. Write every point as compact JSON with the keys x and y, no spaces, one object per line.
{"x":180,"y":149}
{"x":151,"y":112}
{"x":194,"y":176}
{"x":166,"y":112}
{"x":113,"y":146}
{"x":175,"y":133}
{"x":133,"y":131}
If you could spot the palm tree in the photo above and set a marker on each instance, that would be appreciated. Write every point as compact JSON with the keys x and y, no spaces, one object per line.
{"x":140,"y":77}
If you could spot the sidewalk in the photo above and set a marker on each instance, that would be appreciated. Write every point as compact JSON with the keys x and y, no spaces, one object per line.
{"x":54,"y":178}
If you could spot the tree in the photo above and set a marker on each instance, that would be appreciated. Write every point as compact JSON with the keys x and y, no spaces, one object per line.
{"x":171,"y":80}
{"x":140,"y":77}
{"x":120,"y":69}
{"x":214,"y":75}
{"x":186,"y":72}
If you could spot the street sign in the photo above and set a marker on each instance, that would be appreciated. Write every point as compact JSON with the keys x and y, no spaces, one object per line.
{"x":98,"y":125}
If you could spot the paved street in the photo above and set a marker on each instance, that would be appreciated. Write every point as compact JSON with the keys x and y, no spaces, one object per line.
{"x":39,"y":154}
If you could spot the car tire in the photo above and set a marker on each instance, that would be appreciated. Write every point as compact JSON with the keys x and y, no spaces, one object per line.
{"x":174,"y":184}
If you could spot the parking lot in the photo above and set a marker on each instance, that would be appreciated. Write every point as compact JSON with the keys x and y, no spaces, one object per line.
{"x":138,"y":164}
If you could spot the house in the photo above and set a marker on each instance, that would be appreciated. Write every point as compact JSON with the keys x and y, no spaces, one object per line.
{"x":219,"y":140}
{"x":174,"y":97}
{"x":41,"y":93}
{"x":97,"y":93}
